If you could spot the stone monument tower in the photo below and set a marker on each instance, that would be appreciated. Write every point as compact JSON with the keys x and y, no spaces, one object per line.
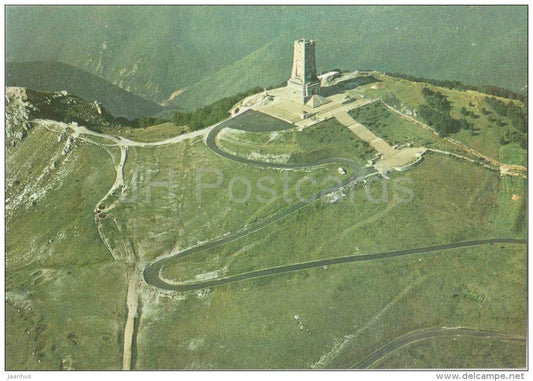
{"x":303,"y":82}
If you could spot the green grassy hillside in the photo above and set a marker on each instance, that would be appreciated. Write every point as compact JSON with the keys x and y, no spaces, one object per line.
{"x":68,"y":266}
{"x":156,"y":51}
{"x":64,"y":292}
{"x":366,"y":304}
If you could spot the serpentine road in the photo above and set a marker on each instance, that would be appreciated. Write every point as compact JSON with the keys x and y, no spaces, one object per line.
{"x":431,"y":333}
{"x":152,"y":273}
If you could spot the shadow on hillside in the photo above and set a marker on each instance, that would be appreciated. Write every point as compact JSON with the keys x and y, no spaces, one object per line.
{"x":349,"y":84}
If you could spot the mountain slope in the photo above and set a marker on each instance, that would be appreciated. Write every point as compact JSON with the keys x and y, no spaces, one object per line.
{"x":64,"y":291}
{"x":457,"y":47}
{"x":83,"y":216}
{"x":57,"y":76}
{"x":157,"y":51}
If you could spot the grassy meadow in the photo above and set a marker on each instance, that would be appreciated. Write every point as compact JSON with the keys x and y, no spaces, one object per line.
{"x":64,"y":294}
{"x":344,"y":312}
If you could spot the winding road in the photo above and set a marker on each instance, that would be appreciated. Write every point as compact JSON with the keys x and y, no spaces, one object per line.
{"x":432,"y":333}
{"x":211,"y":143}
{"x":152,"y":273}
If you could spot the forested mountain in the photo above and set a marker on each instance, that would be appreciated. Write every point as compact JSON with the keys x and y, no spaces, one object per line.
{"x":168,"y":54}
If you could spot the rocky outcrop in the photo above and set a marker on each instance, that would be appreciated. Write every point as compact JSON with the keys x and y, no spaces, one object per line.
{"x":19,"y":112}
{"x":23,"y":105}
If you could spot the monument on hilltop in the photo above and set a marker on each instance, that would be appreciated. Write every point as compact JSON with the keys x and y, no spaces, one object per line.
{"x":303,"y":83}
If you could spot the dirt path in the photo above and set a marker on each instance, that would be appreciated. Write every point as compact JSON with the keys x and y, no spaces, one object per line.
{"x":82,"y":133}
{"x":502,"y":170}
{"x":119,"y":140}
{"x":132,"y":304}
